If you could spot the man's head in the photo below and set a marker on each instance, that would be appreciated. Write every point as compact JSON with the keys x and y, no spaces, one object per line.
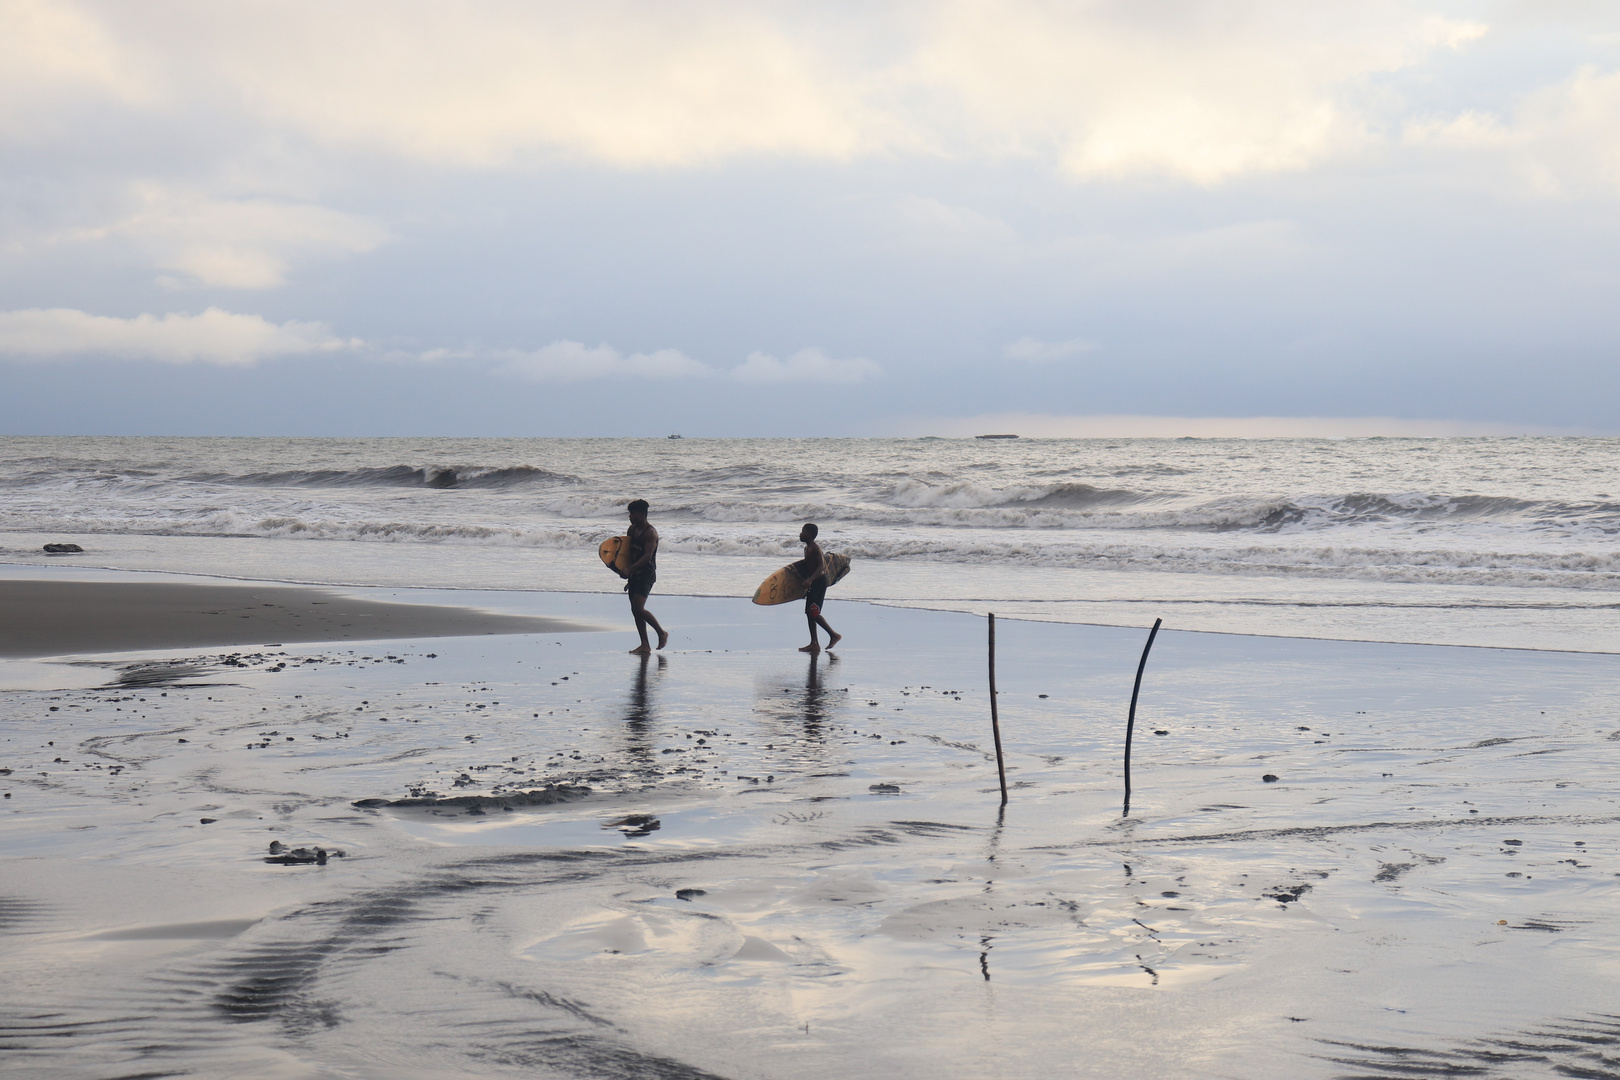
{"x":638,"y":510}
{"x":808,"y":533}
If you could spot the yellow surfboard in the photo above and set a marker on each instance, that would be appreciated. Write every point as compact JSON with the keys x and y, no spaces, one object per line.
{"x":784,"y":586}
{"x":615,"y":553}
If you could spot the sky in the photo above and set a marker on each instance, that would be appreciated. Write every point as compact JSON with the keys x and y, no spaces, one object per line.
{"x":525,"y":218}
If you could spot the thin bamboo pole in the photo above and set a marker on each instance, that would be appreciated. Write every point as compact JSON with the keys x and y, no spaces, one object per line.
{"x":995,"y":718}
{"x":1130,"y":723}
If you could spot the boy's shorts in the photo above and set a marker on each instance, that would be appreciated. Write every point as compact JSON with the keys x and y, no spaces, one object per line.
{"x":815,"y":598}
{"x":642,"y":583}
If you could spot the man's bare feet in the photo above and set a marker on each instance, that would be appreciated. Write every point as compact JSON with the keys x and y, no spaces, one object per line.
{"x":810,"y":648}
{"x":641,"y":650}
{"x":663,"y":638}
{"x":835,"y":639}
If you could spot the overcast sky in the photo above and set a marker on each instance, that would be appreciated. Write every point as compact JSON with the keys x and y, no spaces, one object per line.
{"x":509,"y":217}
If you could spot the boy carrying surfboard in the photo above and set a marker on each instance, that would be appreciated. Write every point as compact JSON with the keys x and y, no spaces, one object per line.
{"x":641,"y":573}
{"x":813,"y":572}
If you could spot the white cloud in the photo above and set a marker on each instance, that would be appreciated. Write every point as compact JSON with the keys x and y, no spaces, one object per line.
{"x":246,"y":243}
{"x":1027,"y":348}
{"x":478,"y":84}
{"x":573,"y":361}
{"x":213,"y":337}
{"x":54,"y":53}
{"x":1038,"y":426}
{"x":1200,"y":91}
{"x":944,"y":225}
{"x":806,"y":365}
{"x":1557,"y":141}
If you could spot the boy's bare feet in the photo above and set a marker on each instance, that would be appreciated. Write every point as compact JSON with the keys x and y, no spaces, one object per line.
{"x":835,"y":639}
{"x":641,"y":650}
{"x":663,"y":638}
{"x":810,"y":648}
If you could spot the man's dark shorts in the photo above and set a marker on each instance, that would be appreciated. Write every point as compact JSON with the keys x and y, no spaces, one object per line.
{"x":815,"y":598}
{"x":642,"y":583}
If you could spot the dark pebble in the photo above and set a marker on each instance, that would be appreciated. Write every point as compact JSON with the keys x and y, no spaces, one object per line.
{"x":1269,"y":778}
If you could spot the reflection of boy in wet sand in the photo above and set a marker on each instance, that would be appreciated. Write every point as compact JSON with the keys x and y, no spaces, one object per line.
{"x":642,"y":573}
{"x":812,"y":570}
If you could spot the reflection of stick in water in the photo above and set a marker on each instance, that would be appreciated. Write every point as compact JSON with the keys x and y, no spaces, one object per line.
{"x":1130,"y":722}
{"x":995,"y":720}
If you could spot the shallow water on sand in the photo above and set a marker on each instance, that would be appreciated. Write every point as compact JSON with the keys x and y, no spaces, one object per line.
{"x":830,"y":887}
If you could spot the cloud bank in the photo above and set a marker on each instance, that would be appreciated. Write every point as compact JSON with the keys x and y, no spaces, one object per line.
{"x":806,"y":365}
{"x":1203,"y":92}
{"x":213,"y":337}
{"x":573,"y":361}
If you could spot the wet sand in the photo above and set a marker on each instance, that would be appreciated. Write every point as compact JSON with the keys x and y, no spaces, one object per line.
{"x":55,"y":618}
{"x":745,"y":862}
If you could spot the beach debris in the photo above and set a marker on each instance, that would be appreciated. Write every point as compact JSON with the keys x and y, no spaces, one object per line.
{"x":206,"y":821}
{"x":63,"y":549}
{"x":282,"y":855}
{"x":688,"y":894}
{"x":1160,"y":731}
{"x":884,"y":789}
{"x":633,"y":825}
{"x":546,"y":796}
{"x":1288,"y":895}
{"x":1269,"y":778}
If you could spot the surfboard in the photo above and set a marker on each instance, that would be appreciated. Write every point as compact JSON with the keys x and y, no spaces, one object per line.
{"x":784,"y":586}
{"x":615,"y":553}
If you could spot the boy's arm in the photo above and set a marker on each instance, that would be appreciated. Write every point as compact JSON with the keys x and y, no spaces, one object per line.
{"x":649,"y":548}
{"x":814,"y":563}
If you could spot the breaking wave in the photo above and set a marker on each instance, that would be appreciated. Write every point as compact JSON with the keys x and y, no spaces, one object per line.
{"x":1510,"y":512}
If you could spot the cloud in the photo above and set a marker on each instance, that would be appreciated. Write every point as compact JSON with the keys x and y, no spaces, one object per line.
{"x":1199,"y":91}
{"x":573,"y":361}
{"x":806,"y":365}
{"x":248,"y":243}
{"x":1038,"y":426}
{"x":481,"y":84}
{"x":213,"y":337}
{"x":1556,"y":141}
{"x":1027,"y":348}
{"x":944,"y":225}
{"x":53,"y":53}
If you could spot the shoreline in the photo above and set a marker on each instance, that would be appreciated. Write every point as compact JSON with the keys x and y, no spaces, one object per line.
{"x":406,"y":620}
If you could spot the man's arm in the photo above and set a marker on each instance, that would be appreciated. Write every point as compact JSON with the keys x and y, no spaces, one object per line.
{"x":649,"y":548}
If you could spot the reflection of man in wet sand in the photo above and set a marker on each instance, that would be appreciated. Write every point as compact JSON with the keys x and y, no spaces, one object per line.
{"x":642,"y":573}
{"x":812,"y":570}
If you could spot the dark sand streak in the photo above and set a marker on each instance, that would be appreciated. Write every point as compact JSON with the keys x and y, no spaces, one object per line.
{"x":55,"y":618}
{"x":1312,"y":831}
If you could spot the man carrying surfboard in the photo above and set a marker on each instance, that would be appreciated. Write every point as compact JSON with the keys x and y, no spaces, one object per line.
{"x":813,"y":571}
{"x":641,"y":573}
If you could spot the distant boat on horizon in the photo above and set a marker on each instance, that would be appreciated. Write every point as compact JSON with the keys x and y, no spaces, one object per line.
{"x":995,"y":436}
{"x":675,"y":436}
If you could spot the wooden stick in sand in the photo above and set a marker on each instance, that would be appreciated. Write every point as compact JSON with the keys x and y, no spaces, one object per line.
{"x":995,"y":720}
{"x":1130,"y":723}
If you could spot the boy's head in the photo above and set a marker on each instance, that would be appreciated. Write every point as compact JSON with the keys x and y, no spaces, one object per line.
{"x":638,"y":509}
{"x":808,"y":533}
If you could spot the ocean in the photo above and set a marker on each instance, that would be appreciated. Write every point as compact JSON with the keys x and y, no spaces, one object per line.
{"x":1505,"y":542}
